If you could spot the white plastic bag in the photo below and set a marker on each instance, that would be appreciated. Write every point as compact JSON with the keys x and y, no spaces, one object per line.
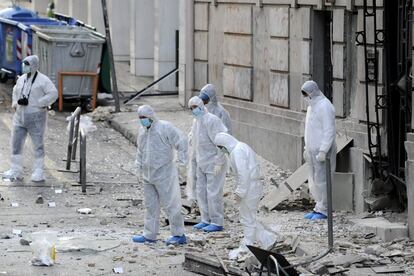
{"x":85,"y":123}
{"x":43,"y":247}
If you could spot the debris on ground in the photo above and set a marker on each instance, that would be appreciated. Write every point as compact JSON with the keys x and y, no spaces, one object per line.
{"x":39,"y":200}
{"x":118,"y":270}
{"x":84,"y":211}
{"x":43,"y":247}
{"x":86,"y":244}
{"x":102,"y":113}
{"x":24,"y":242}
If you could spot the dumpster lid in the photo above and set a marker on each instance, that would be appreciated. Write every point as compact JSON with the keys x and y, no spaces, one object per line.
{"x":25,"y":23}
{"x":67,"y":34}
{"x":17,"y":11}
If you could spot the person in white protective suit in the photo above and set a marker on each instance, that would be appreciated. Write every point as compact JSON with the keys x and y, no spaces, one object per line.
{"x":155,"y":164}
{"x":320,"y":133}
{"x":248,"y":192}
{"x":211,"y":166}
{"x":32,"y":94}
{"x":208,"y":96}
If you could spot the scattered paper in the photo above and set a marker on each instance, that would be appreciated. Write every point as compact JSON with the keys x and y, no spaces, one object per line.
{"x":58,"y":191}
{"x":14,"y":204}
{"x":17,"y":232}
{"x":84,"y":211}
{"x":118,"y":270}
{"x":52,"y":204}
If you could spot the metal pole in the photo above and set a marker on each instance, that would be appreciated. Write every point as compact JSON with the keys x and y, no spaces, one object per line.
{"x":177,"y":54}
{"x":329,"y":198}
{"x":330,"y":216}
{"x":111,"y":56}
{"x":69,"y":154}
{"x":138,"y":94}
{"x":82,"y":162}
{"x":76,"y":136}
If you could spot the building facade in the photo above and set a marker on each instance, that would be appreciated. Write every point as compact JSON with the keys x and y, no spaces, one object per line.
{"x":258,"y":53}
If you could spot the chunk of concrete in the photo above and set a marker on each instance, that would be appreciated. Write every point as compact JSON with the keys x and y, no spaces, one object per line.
{"x":384,"y":229}
{"x":272,"y":199}
{"x":343,"y":191}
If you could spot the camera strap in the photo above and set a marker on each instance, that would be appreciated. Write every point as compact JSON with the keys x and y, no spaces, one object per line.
{"x":33,"y":80}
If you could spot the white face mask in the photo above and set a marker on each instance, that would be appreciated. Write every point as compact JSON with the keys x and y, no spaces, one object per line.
{"x":25,"y":68}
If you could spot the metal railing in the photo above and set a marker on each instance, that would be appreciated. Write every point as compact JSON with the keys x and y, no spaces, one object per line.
{"x":77,"y":133}
{"x":73,"y":137}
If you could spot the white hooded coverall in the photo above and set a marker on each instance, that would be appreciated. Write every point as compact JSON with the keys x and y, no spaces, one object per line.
{"x":320,"y":133}
{"x":245,"y":168}
{"x":210,"y":160}
{"x":31,"y":119}
{"x":214,"y":107}
{"x":156,"y":166}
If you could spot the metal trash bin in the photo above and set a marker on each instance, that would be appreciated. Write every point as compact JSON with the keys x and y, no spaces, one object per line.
{"x":68,"y":49}
{"x":16,"y":43}
{"x":104,"y":79}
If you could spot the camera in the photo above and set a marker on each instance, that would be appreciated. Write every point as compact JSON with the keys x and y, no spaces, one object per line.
{"x":23,"y":101}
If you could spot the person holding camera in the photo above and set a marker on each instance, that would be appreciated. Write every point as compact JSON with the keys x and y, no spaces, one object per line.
{"x":32,"y":94}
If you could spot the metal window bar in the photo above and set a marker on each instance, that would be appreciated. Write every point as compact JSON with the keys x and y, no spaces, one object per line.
{"x":404,"y":51}
{"x":73,"y":136}
{"x":371,"y":78}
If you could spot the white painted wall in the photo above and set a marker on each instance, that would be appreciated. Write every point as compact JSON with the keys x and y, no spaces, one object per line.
{"x":62,"y":6}
{"x":142,"y":37}
{"x":95,"y":15}
{"x":118,"y":13}
{"x":166,"y":23}
{"x":79,"y":9}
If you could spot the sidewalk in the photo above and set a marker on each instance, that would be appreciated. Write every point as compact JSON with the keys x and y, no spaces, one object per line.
{"x":166,"y":108}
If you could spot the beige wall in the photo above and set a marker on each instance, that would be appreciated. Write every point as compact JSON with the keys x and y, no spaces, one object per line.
{"x":258,"y":56}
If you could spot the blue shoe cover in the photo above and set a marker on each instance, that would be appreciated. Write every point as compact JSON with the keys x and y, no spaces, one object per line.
{"x":213,"y":228}
{"x":142,"y":239}
{"x":310,"y":215}
{"x":176,"y":240}
{"x":200,"y":225}
{"x":318,"y":216}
